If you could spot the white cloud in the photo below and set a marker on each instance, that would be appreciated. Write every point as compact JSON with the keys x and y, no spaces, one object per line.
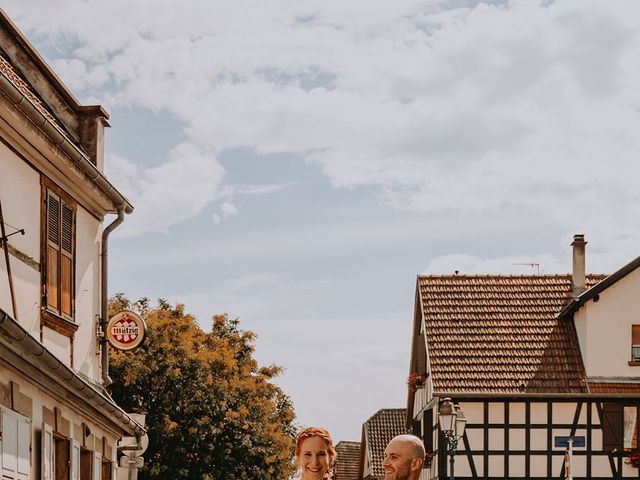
{"x":531,"y":105}
{"x":164,"y":195}
{"x":228,"y":209}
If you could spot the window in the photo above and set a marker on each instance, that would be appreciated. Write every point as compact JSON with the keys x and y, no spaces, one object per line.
{"x":635,"y":343}
{"x":619,"y":427}
{"x":59,"y":255}
{"x":15,"y":445}
{"x":630,"y":428}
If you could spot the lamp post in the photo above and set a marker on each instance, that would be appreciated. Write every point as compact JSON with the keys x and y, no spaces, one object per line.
{"x":452,"y":424}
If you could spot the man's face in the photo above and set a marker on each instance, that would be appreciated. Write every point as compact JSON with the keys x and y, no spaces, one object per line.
{"x":398,"y":457}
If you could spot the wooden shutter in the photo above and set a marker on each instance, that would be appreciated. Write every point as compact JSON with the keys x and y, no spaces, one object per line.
{"x":97,"y":466}
{"x":62,"y":458}
{"x":59,"y":256}
{"x":427,"y":429}
{"x":66,"y":260}
{"x":415,"y":428}
{"x":107,"y":470}
{"x":635,"y":335}
{"x":24,"y":448}
{"x":75,"y":460}
{"x":53,"y":251}
{"x":612,"y":427}
{"x":420,"y":360}
{"x":15,"y":446}
{"x":47,"y":450}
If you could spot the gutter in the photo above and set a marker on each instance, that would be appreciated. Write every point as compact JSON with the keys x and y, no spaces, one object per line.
{"x":104,"y":343}
{"x":79,"y":158}
{"x":37,"y":354}
{"x":554,"y":395}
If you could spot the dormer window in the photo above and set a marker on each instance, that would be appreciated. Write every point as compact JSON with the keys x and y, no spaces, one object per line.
{"x":635,"y":343}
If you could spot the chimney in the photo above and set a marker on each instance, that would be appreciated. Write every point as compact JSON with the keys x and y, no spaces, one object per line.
{"x":578,"y":276}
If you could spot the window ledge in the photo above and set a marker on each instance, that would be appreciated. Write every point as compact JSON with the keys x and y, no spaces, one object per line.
{"x":634,"y":363}
{"x":60,"y":324}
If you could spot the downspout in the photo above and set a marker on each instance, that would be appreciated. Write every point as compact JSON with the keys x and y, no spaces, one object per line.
{"x":104,"y":343}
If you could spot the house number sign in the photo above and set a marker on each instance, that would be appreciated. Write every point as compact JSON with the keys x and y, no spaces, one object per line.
{"x":126,"y":330}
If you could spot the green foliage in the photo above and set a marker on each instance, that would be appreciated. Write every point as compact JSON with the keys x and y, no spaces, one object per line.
{"x":212,"y":412}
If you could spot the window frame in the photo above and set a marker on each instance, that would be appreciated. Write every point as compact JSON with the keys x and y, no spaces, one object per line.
{"x":52,"y":317}
{"x":635,"y":359}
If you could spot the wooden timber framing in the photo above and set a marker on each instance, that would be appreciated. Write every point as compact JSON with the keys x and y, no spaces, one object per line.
{"x":509,"y":438}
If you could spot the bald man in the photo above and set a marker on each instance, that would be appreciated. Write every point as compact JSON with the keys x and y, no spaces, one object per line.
{"x":403,"y":458}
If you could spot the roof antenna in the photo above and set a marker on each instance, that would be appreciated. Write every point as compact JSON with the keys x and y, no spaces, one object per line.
{"x":533,"y":265}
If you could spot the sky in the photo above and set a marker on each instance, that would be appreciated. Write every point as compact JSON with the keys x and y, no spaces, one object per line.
{"x":297,"y":163}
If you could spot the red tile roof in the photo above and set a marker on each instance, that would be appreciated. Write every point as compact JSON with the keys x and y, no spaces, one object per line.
{"x":614,"y":387}
{"x":347,"y":461}
{"x":23,"y":87}
{"x":378,"y":431}
{"x":501,"y":334}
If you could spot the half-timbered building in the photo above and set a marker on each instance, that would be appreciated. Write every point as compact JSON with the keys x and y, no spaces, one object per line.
{"x":57,"y":421}
{"x":529,"y":359}
{"x":377,"y":432}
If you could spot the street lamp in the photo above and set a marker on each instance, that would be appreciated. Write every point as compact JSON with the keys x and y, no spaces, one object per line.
{"x":452,"y":424}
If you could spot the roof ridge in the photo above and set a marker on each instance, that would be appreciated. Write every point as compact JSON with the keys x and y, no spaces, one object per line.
{"x":505,"y":275}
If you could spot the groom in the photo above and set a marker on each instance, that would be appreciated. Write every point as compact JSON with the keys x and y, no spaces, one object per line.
{"x":403,"y":458}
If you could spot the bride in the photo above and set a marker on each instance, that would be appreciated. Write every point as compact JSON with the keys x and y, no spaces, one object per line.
{"x":315,"y":454}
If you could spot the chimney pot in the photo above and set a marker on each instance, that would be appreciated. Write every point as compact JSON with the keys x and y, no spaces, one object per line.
{"x":578,"y":277}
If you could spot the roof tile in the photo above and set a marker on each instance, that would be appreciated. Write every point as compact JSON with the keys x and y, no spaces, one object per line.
{"x":380,"y":429}
{"x":501,"y":333}
{"x":347,"y":461}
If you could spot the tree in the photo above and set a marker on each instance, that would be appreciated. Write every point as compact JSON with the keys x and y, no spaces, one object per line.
{"x":212,"y":412}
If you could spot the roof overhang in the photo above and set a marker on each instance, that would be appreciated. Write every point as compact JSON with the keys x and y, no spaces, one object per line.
{"x":598,"y":288}
{"x":27,"y":357}
{"x":536,"y":395}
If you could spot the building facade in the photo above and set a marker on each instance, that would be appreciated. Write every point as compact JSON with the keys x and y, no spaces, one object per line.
{"x":530,"y":359}
{"x":57,"y":420}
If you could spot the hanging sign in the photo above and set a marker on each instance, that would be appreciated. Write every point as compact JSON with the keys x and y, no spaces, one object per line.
{"x":126,"y":330}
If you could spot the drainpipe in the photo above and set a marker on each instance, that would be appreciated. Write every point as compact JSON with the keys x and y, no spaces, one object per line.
{"x":106,"y":379}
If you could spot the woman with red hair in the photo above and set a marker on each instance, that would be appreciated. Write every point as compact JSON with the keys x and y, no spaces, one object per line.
{"x":315,"y":454}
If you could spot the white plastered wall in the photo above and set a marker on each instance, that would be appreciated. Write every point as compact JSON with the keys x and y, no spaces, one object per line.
{"x":20,"y":196}
{"x":88,"y":238}
{"x":604,"y":329}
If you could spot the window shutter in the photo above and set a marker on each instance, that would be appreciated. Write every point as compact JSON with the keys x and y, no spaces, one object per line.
{"x":635,"y":335}
{"x":612,"y":432}
{"x":48,"y":462}
{"x":15,"y":458}
{"x":9,"y":446}
{"x":427,"y":420}
{"x":66,"y":260}
{"x":97,"y":466}
{"x":421,"y":355}
{"x":415,"y":428}
{"x":53,"y":250}
{"x":75,"y":460}
{"x":24,"y":448}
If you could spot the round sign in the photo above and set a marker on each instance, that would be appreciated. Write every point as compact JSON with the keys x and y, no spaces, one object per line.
{"x":126,"y":330}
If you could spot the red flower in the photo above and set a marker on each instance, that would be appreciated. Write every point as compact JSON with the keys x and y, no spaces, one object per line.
{"x":633,"y":459}
{"x":416,"y":380}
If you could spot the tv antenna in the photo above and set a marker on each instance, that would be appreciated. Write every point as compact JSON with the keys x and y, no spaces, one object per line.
{"x":533,"y":265}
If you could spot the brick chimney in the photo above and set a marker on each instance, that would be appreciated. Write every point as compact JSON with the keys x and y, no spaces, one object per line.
{"x":578,"y":277}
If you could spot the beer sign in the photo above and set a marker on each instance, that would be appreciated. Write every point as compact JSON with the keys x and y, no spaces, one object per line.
{"x":126,"y":330}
